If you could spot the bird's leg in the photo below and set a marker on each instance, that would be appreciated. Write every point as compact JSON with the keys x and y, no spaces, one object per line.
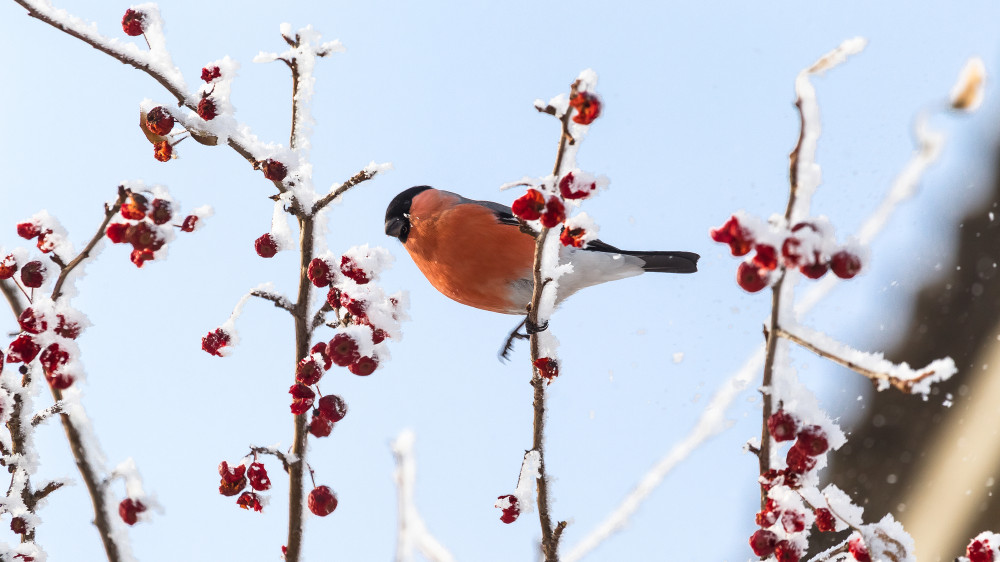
{"x":533,"y":328}
{"x":509,"y":344}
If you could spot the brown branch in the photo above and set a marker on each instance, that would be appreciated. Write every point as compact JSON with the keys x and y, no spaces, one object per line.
{"x":320,"y":316}
{"x":7,"y":288}
{"x":39,"y":495}
{"x":109,"y":212}
{"x":362,"y":176}
{"x":45,"y":414}
{"x":280,"y":301}
{"x":285,"y":463}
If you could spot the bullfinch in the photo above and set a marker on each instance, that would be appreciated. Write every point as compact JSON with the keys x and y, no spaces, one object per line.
{"x":476,"y":253}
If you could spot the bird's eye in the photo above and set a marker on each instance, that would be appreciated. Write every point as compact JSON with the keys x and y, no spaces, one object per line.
{"x":405,"y":230}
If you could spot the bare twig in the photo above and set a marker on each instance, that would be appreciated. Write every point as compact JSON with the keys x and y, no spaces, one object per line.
{"x":320,"y":317}
{"x":109,"y":213}
{"x":362,"y":176}
{"x":46,"y":490}
{"x":280,"y":301}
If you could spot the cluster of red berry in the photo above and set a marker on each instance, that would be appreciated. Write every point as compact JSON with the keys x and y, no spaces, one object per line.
{"x":160,"y":122}
{"x":533,"y":206}
{"x":207,"y":109}
{"x":147,"y":229}
{"x":235,"y":479}
{"x":509,"y":509}
{"x":56,"y":354}
{"x":810,"y":442}
{"x":806,"y":246}
{"x":32,"y":229}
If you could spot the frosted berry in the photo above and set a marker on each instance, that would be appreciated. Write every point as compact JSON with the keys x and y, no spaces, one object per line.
{"x":766,"y":257}
{"x":977,"y":551}
{"x":356,"y":307}
{"x":790,"y":251}
{"x":572,"y":237}
{"x":529,"y":206}
{"x":320,"y":349}
{"x":129,"y":510}
{"x":547,"y":368}
{"x":142,"y":236}
{"x":158,"y":121}
{"x":509,"y":508}
{"x":23,"y":349}
{"x":812,"y":440}
{"x":859,"y":550}
{"x":363,"y":366}
{"x":587,"y":106}
{"x":162,"y":211}
{"x":322,"y":501}
{"x":302,"y":398}
{"x":134,"y":208}
{"x":845,"y":264}
{"x":257,"y":475}
{"x":133,"y":23}
{"x":319,"y":272}
{"x":352,"y":270}
{"x":740,"y":239}
{"x":825,"y":521}
{"x":116,"y":232}
{"x":163,"y":151}
{"x":762,"y":542}
{"x":45,"y":242}
{"x":319,"y":427}
{"x":232,"y":474}
{"x":554,"y":213}
{"x":230,"y":489}
{"x":332,"y":408}
{"x":749,"y":278}
{"x":207,"y":109}
{"x":343,"y":350}
{"x":8,"y":267}
{"x":273,"y":170}
{"x":785,"y":551}
{"x":67,"y":329}
{"x":215,"y":341}
{"x":60,"y":381}
{"x":308,"y":371}
{"x":19,"y":525}
{"x":189,"y":224}
{"x":379,"y":335}
{"x":249,"y":500}
{"x":141,"y":256}
{"x":210,"y":73}
{"x":265,"y":246}
{"x":32,"y":322}
{"x":798,"y":461}
{"x":52,"y":358}
{"x":33,"y":274}
{"x":766,"y":517}
{"x":791,"y":478}
{"x":793,"y":521}
{"x":815,"y":270}
{"x":782,"y":426}
{"x":28,"y":230}
{"x":569,"y":188}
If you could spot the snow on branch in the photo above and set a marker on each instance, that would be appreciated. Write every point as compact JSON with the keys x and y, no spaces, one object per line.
{"x":413,"y":534}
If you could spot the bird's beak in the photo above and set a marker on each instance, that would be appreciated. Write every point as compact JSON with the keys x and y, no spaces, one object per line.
{"x":394,"y":226}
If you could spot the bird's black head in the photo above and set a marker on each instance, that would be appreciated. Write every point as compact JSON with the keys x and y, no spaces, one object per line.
{"x":397,"y":215}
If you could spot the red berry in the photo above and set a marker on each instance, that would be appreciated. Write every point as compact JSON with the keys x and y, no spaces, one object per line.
{"x":845,"y":264}
{"x":210,"y":73}
{"x":554,"y":213}
{"x":158,"y":121}
{"x":28,"y":230}
{"x":825,"y":521}
{"x":142,"y":236}
{"x":249,"y":500}
{"x":163,"y":151}
{"x":257,"y":475}
{"x":812,"y":440}
{"x":322,"y":501}
{"x":134,"y":209}
{"x":547,"y":368}
{"x":162,"y":211}
{"x":509,"y":508}
{"x":60,"y":381}
{"x":133,"y":23}
{"x":45,"y":243}
{"x":273,"y":170}
{"x":33,"y":274}
{"x":308,"y":371}
{"x":791,"y":478}
{"x":785,"y":551}
{"x":859,"y":550}
{"x":265,"y":246}
{"x":740,"y":240}
{"x":529,"y":206}
{"x":230,"y":489}
{"x":116,"y":232}
{"x":320,"y":427}
{"x":319,"y":272}
{"x":749,"y":278}
{"x":379,"y":335}
{"x":587,"y":106}
{"x":19,"y":525}
{"x":141,"y":256}
{"x":320,"y":348}
{"x":189,"y":223}
{"x":766,"y":517}
{"x":52,"y":358}
{"x":798,"y":461}
{"x":22,"y":350}
{"x":207,"y":109}
{"x":302,"y":398}
{"x":762,"y":542}
{"x":215,"y":341}
{"x":782,"y":426}
{"x":572,"y":237}
{"x":793,"y":521}
{"x":977,"y":551}
{"x":8,"y":267}
{"x":32,"y":322}
{"x":351,"y":269}
{"x":363,"y":366}
{"x":766,"y":257}
{"x":129,"y":510}
{"x":232,"y":474}
{"x":343,"y":350}
{"x":790,"y":251}
{"x":570,"y":189}
{"x":332,"y":408}
{"x":815,"y":270}
{"x":356,"y":307}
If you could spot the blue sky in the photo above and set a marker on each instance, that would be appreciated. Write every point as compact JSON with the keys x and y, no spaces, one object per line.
{"x":698,"y":124}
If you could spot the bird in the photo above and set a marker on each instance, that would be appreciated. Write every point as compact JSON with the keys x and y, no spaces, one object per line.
{"x":476,"y":252}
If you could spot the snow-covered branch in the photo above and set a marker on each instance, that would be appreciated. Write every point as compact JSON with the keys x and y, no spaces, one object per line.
{"x":413,"y":534}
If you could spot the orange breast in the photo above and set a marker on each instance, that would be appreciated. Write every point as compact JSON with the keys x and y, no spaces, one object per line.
{"x":466,"y":254}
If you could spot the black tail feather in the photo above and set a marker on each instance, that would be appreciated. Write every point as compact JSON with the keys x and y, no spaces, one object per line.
{"x":660,"y":262}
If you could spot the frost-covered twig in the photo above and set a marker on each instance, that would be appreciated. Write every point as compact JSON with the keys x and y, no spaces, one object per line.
{"x":280,"y":301}
{"x":369,"y":172}
{"x":45,"y":414}
{"x":109,"y":212}
{"x":413,"y":534}
{"x":282,"y":457}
